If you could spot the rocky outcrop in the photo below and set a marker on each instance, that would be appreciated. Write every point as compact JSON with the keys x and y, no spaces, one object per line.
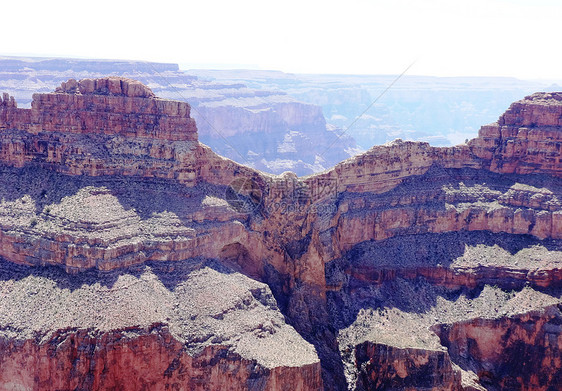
{"x":515,"y":352}
{"x":103,"y":175}
{"x":464,"y":260}
{"x":397,"y":296}
{"x":526,"y":139}
{"x":293,"y":134}
{"x":386,"y":367}
{"x":113,"y":106}
{"x":114,"y":86}
{"x":187,"y":325}
{"x":537,"y":110}
{"x":61,"y":222}
{"x":84,"y":199}
{"x":8,"y":101}
{"x":134,"y":359}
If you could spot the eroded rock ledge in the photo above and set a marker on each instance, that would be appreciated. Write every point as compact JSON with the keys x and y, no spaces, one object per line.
{"x":113,"y":106}
{"x":191,"y":325}
{"x":104,"y":175}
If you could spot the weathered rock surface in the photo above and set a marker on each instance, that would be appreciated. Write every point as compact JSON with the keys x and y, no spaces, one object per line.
{"x":400,"y":294}
{"x":404,"y":231}
{"x":188,"y":325}
{"x":513,"y":352}
{"x":293,"y":135}
{"x":526,"y":139}
{"x":113,"y":106}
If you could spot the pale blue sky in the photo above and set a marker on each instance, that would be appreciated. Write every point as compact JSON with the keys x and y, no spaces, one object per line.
{"x":446,"y":38}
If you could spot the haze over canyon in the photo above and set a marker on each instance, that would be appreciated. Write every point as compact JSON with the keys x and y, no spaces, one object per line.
{"x":134,"y":256}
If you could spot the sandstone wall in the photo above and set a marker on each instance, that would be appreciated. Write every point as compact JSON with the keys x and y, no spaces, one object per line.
{"x":155,"y":361}
{"x":116,"y":128}
{"x":526,"y":139}
{"x":383,"y":367}
{"x":519,"y":352}
{"x":113,"y":106}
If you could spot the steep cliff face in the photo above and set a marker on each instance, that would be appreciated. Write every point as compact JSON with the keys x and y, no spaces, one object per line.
{"x":417,"y":293}
{"x":188,"y":325}
{"x":113,"y":106}
{"x":406,"y":191}
{"x":367,"y":262}
{"x":386,"y":367}
{"x":515,"y":352}
{"x":81,"y":197}
{"x":526,"y":139}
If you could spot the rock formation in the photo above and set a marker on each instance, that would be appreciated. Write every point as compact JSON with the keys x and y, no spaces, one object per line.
{"x":229,"y":115}
{"x":114,"y":106}
{"x":169,"y":326}
{"x":406,"y":267}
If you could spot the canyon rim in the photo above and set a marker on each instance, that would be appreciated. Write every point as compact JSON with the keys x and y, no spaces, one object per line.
{"x":134,"y":257}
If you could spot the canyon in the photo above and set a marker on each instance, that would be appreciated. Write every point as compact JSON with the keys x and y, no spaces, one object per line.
{"x":275,"y":121}
{"x":133,"y":256}
{"x":440,"y":110}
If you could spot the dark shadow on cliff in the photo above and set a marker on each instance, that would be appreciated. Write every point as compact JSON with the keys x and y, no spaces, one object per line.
{"x":145,"y":195}
{"x":358,"y":276}
{"x":436,"y":181}
{"x":170,"y":273}
{"x":383,"y":274}
{"x":72,"y":282}
{"x":380,"y":277}
{"x":305,"y":310}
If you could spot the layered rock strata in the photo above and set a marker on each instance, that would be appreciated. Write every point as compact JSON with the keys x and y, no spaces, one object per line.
{"x":229,"y":115}
{"x":189,"y":325}
{"x":526,"y":139}
{"x":112,"y":106}
{"x":103,"y":175}
{"x":404,"y":319}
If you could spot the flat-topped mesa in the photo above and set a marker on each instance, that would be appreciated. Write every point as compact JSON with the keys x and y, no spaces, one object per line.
{"x":112,"y":106}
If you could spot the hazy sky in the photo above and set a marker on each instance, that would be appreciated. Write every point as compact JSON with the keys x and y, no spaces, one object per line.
{"x":445,"y":38}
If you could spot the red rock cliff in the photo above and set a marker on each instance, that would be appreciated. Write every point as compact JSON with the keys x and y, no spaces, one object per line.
{"x":103,"y":175}
{"x":526,"y":139}
{"x":114,"y":106}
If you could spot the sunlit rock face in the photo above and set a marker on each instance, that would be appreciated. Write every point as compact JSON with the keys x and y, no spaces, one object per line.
{"x":103,"y":175}
{"x":114,"y":106}
{"x":191,"y":325}
{"x":397,"y":269}
{"x":526,"y":139}
{"x":264,"y":128}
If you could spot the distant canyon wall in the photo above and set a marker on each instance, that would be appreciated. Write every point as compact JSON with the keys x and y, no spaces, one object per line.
{"x":64,"y":165}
